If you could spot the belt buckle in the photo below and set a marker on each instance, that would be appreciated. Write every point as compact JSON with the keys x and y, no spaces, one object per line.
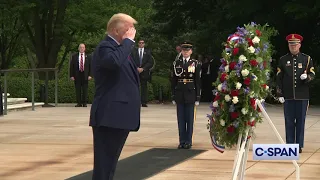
{"x":184,"y":80}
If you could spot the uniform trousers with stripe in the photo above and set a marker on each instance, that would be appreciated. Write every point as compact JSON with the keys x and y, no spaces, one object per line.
{"x":295,"y":114}
{"x":185,"y":114}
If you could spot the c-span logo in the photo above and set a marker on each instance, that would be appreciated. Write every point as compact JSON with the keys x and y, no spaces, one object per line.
{"x":275,"y":151}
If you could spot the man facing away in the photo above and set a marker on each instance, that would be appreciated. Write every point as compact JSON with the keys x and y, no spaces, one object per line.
{"x":143,"y":60}
{"x":294,"y":72}
{"x":80,"y":73}
{"x":116,"y":106}
{"x":186,"y":84}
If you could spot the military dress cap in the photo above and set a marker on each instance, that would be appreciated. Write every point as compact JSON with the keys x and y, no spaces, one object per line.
{"x":186,"y":45}
{"x":294,"y":38}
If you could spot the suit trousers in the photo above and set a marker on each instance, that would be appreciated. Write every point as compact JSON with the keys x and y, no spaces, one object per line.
{"x":107,"y":143}
{"x":295,"y":114}
{"x":81,"y":85}
{"x":144,"y":91}
{"x":185,"y":114}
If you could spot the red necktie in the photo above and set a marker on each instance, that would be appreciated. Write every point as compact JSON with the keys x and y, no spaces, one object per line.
{"x":81,"y":63}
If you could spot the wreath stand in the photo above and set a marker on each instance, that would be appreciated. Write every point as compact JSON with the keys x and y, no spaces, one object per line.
{"x":239,"y":166}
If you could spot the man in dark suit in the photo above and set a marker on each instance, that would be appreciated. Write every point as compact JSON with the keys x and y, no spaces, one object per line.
{"x":143,"y":60}
{"x":115,"y":110}
{"x":80,"y":73}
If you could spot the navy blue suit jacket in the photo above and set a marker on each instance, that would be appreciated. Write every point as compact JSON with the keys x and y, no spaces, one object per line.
{"x":116,"y":101}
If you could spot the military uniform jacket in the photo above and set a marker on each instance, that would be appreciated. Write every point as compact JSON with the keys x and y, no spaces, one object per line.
{"x":186,"y":81}
{"x":289,"y":70}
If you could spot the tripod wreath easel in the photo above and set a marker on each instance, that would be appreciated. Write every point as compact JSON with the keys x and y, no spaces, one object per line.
{"x":243,"y":145}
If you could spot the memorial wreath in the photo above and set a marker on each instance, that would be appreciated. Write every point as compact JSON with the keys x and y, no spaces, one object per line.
{"x":242,"y":79}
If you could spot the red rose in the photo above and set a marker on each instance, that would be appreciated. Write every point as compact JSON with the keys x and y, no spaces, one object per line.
{"x":232,"y":65}
{"x":235,"y":93}
{"x":251,"y":123}
{"x":223,"y":77}
{"x":216,"y":98}
{"x":224,"y":63}
{"x":253,"y":62}
{"x":250,"y":43}
{"x":231,"y":129}
{"x":247,"y":81}
{"x":258,"y":32}
{"x":234,"y":115}
{"x":264,"y":86}
{"x":235,"y":51}
{"x":253,"y":103}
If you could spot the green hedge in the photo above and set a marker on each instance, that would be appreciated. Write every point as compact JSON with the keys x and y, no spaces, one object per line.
{"x":21,"y":87}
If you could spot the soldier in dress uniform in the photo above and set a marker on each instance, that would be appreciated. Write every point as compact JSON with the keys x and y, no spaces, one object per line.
{"x":294,"y":72}
{"x":186,"y":83}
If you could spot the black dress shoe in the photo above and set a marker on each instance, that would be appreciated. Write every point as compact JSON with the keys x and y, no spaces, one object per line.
{"x":78,"y":105}
{"x":144,"y":105}
{"x":84,"y":105}
{"x":181,"y":146}
{"x":187,"y":146}
{"x":300,"y":150}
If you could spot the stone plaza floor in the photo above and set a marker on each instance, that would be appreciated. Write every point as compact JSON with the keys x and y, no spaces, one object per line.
{"x":56,"y":143}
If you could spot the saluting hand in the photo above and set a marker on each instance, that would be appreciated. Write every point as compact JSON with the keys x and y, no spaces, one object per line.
{"x":131,"y":33}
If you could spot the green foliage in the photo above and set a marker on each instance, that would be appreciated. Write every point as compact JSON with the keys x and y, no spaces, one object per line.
{"x":242,"y":79}
{"x":21,"y":87}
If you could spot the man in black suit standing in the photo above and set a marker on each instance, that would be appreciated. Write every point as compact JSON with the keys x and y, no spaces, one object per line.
{"x":80,"y":73}
{"x":143,"y":60}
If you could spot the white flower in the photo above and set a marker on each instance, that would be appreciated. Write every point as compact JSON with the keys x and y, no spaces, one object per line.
{"x":267,"y":87}
{"x":227,"y":98}
{"x":226,"y":68}
{"x":215,"y":104}
{"x":245,"y":72}
{"x":235,"y":100}
{"x":244,"y":111}
{"x":256,"y":40}
{"x":255,"y":78}
{"x":222,"y":122}
{"x":242,"y":58}
{"x":219,"y":87}
{"x":238,"y":85}
{"x":251,"y":49}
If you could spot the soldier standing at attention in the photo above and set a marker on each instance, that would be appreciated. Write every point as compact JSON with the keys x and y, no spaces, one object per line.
{"x":294,"y":72}
{"x":185,"y":82}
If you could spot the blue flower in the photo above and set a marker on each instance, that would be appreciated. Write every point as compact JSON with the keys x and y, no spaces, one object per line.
{"x":221,"y":68}
{"x":261,"y":66}
{"x":257,"y":50}
{"x":253,"y":24}
{"x":231,"y":108}
{"x":236,"y":124}
{"x":247,"y":90}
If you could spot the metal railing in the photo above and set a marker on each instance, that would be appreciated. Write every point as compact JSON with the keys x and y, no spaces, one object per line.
{"x":46,"y":70}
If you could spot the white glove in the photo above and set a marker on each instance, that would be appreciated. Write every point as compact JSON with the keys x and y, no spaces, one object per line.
{"x":173,"y":102}
{"x":197,"y":103}
{"x":281,"y":99}
{"x":303,"y":76}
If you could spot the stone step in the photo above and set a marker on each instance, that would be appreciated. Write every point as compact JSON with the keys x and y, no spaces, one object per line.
{"x":12,"y":101}
{"x":24,"y":106}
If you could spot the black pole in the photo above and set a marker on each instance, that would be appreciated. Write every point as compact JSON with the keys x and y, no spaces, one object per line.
{"x":160,"y":95}
{"x":46,"y":103}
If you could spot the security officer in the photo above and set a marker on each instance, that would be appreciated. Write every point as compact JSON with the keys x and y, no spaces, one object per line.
{"x":185,"y":79}
{"x":294,"y":72}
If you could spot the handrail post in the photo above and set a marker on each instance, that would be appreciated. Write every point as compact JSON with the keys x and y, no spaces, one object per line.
{"x":32,"y":89}
{"x":46,"y":89}
{"x":5,"y":108}
{"x":56,"y":87}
